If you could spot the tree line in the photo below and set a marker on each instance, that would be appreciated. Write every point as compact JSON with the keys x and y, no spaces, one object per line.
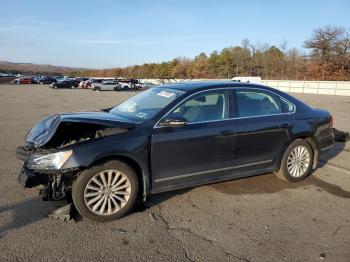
{"x":328,"y":59}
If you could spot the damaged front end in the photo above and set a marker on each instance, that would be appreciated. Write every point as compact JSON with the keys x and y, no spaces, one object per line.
{"x":44,"y":167}
{"x":51,"y":143}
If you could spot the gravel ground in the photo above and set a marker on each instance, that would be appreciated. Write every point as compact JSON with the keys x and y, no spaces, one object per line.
{"x":254,"y":219}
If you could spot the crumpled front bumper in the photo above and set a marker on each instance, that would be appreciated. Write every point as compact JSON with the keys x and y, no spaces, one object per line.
{"x":29,"y":179}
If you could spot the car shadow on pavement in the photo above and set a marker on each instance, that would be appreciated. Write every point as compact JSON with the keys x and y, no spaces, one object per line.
{"x":336,"y":150}
{"x":24,"y":213}
{"x":161,"y":197}
{"x":269,"y":183}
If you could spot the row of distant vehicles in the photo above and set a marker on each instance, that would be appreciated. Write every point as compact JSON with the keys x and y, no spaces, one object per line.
{"x":96,"y":84}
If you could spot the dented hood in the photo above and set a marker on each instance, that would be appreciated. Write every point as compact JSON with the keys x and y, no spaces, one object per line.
{"x":42,"y":132}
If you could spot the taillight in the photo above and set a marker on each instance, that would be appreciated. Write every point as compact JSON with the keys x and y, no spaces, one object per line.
{"x":331,"y":121}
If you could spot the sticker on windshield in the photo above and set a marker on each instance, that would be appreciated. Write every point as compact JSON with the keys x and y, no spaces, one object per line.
{"x":128,"y":107}
{"x":166,"y":94}
{"x":141,"y":115}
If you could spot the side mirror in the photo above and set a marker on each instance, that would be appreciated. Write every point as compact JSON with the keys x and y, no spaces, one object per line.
{"x":173,"y":122}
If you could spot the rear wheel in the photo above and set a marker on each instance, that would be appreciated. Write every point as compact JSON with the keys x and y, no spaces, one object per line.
{"x":296,"y":162}
{"x":106,"y":191}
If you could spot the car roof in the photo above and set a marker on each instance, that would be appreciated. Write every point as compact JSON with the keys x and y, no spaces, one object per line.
{"x":202,"y":85}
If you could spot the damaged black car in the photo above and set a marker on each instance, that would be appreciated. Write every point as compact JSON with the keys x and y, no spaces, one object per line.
{"x":170,"y":137}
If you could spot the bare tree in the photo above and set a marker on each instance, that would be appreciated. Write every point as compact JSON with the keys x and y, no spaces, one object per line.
{"x":253,"y":61}
{"x":328,"y":45}
{"x":284,"y":48}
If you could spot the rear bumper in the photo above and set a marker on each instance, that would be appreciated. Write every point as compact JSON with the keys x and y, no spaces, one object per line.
{"x":326,"y":144}
{"x":341,"y":136}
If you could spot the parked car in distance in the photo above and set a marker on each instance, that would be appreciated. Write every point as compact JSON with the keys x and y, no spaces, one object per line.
{"x":147,"y":85}
{"x":127,"y":84}
{"x":92,"y":81}
{"x":169,"y":137}
{"x":66,"y":83}
{"x":82,"y":84}
{"x":248,"y":79}
{"x":23,"y":81}
{"x":106,"y":86}
{"x":47,"y":80}
{"x":35,"y":79}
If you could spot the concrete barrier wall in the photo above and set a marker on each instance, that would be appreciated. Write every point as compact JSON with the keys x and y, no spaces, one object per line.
{"x":341,"y":88}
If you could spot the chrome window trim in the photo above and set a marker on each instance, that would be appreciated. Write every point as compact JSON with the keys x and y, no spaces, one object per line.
{"x":232,"y":118}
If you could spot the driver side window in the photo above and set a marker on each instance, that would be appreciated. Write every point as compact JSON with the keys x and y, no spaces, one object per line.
{"x":205,"y":106}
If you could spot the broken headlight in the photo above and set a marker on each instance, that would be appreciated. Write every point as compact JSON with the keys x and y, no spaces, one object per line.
{"x":52,"y":161}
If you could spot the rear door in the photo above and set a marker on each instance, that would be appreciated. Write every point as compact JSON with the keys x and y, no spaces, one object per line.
{"x":198,"y":152}
{"x":263,"y":126}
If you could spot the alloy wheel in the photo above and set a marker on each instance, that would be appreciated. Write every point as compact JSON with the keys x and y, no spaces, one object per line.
{"x":298,"y":161}
{"x":107,"y":192}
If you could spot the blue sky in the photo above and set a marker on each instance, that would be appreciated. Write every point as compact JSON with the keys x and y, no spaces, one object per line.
{"x":107,"y":33}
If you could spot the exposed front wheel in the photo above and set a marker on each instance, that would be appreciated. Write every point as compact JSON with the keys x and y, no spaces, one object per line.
{"x":296,"y":162}
{"x":106,"y":191}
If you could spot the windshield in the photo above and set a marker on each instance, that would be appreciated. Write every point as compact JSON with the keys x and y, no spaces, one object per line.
{"x":146,"y":104}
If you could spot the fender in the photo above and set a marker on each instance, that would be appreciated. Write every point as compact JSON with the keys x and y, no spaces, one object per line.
{"x":129,"y":147}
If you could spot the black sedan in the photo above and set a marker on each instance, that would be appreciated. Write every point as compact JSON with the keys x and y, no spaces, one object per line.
{"x":47,"y":80}
{"x":69,"y":83}
{"x":169,"y":137}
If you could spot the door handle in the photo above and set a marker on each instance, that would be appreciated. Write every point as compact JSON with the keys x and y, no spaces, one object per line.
{"x":285,"y":125}
{"x":226,"y":133}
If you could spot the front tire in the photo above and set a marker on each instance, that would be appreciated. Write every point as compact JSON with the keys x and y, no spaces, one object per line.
{"x":106,"y":191}
{"x":297,"y":162}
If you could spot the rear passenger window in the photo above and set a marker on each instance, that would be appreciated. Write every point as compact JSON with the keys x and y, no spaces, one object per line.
{"x":257,"y":103}
{"x":287,"y":107}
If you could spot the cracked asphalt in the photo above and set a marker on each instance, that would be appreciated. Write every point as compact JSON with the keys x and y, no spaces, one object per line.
{"x":253,"y":219}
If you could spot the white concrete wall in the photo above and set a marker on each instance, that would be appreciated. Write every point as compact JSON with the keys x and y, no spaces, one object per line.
{"x":341,"y":88}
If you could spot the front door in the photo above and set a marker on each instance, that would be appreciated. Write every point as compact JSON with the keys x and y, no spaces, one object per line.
{"x":200,"y":151}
